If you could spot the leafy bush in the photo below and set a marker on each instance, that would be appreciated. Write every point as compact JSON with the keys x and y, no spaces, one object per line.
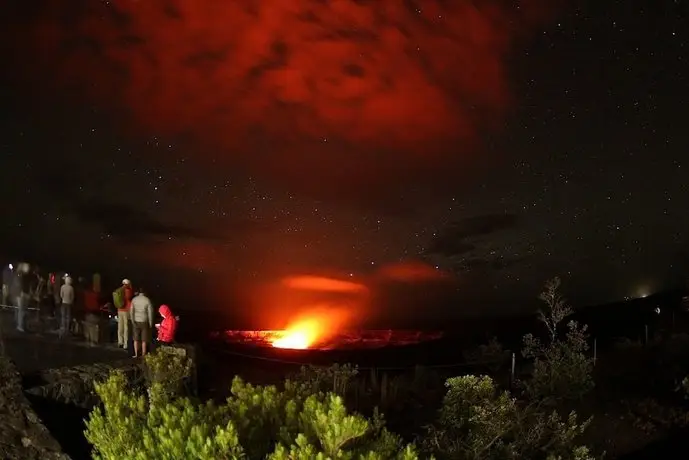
{"x":170,"y":370}
{"x":131,"y":425}
{"x":255,"y":422}
{"x":477,"y":421}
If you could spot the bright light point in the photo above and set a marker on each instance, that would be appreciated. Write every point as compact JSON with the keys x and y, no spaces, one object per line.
{"x":11,"y":267}
{"x":293,"y":340}
{"x":311,"y":329}
{"x":301,"y":335}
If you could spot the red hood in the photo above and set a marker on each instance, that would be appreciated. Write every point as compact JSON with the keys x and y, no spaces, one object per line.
{"x":165,"y":311}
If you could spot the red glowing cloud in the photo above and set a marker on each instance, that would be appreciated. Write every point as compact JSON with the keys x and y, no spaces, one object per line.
{"x":411,"y":272}
{"x":323,"y":284}
{"x":296,"y":87}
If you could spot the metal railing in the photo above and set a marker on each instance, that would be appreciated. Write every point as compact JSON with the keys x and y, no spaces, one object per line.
{"x":15,"y":307}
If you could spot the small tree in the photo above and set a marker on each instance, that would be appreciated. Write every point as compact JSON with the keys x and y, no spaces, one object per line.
{"x":562,"y":369}
{"x":478,"y":421}
{"x":170,"y":370}
{"x":556,"y":309}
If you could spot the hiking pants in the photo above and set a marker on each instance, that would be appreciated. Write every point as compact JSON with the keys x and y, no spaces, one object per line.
{"x":123,"y":328}
{"x":65,"y":318}
{"x":22,"y":305}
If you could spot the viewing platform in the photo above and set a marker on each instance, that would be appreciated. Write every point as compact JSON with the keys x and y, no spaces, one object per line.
{"x":41,"y":348}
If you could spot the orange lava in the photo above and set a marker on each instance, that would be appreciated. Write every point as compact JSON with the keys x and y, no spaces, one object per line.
{"x":311,"y":329}
{"x":301,"y":338}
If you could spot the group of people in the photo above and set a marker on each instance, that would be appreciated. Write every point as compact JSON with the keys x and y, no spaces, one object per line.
{"x":20,"y":286}
{"x":136,"y":309}
{"x":23,"y":286}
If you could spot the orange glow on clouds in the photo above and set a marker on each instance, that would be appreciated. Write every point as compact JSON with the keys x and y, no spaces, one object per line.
{"x":319,"y":283}
{"x":412,"y":272}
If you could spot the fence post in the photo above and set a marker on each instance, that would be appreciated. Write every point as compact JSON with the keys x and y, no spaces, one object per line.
{"x":646,"y":333}
{"x":512,"y":370}
{"x":595,"y":350}
{"x":673,"y":321}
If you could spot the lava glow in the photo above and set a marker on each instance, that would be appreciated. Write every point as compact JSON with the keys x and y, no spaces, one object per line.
{"x":303,"y":336}
{"x":312,"y":329}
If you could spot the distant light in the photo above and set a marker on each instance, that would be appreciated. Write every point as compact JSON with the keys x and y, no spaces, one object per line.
{"x":643,"y":291}
{"x":11,"y":267}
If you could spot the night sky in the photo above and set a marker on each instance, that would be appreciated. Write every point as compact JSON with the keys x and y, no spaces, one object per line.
{"x":185,"y":140}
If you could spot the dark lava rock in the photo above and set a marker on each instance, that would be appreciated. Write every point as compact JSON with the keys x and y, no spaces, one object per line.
{"x":22,"y":434}
{"x":74,"y":385}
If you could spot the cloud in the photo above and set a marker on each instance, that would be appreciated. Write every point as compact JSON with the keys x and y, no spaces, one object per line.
{"x":452,"y":240}
{"x":324,"y":284}
{"x":323,"y":96}
{"x":411,"y":272}
{"x":127,"y":222}
{"x":467,"y":245}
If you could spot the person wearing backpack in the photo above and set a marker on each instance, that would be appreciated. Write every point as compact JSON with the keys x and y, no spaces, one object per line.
{"x":122,"y":299}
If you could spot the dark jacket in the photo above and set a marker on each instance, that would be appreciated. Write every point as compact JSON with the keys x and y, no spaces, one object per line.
{"x":26,"y":281}
{"x":7,"y":276}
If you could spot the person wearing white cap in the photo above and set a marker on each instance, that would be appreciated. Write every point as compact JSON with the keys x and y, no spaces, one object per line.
{"x":122,"y":299}
{"x":67,"y":303}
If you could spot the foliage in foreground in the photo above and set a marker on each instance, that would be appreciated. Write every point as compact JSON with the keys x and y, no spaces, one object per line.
{"x":255,"y":422}
{"x":477,"y":421}
{"x":307,"y":419}
{"x":168,"y":369}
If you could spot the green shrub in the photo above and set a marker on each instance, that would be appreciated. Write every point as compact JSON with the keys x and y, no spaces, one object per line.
{"x":255,"y":422}
{"x":477,"y":421}
{"x":136,"y":426}
{"x":168,"y":369}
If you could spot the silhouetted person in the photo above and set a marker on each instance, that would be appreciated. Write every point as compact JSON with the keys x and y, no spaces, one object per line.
{"x":66,"y":306}
{"x":142,"y":319}
{"x":7,"y":275}
{"x":57,"y":279}
{"x":122,"y":299}
{"x":24,"y":286}
{"x":92,"y":317}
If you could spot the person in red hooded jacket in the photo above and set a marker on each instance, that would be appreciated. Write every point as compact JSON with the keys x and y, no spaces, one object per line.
{"x":168,"y":327}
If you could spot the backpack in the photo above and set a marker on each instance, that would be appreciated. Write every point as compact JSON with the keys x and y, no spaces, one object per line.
{"x":118,"y":298}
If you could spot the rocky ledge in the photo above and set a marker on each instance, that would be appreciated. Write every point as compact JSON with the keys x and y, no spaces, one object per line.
{"x":22,"y":434}
{"x":74,"y":385}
